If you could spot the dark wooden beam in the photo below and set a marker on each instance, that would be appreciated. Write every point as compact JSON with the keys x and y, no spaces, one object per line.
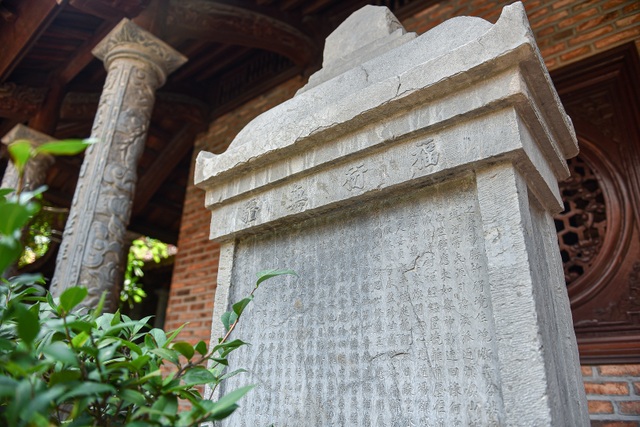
{"x":46,"y":118}
{"x":31,"y":19}
{"x":165,"y":163}
{"x":241,"y":23}
{"x":5,"y":127}
{"x":109,"y":9}
{"x":58,"y":198}
{"x":83,"y":106}
{"x":142,"y":227}
{"x":83,"y":55}
{"x":7,"y":15}
{"x":19,"y":102}
{"x":153,"y":18}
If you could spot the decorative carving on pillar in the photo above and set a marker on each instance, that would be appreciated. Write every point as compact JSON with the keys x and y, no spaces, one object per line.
{"x":92,"y":250}
{"x":128,"y":41}
{"x":35,"y":172}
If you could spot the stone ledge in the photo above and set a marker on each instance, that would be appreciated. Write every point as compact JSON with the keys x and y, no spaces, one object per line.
{"x":443,"y":154}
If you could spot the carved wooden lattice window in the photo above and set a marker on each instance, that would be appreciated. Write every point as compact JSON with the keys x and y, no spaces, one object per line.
{"x":583,"y":224}
{"x":599,"y":231}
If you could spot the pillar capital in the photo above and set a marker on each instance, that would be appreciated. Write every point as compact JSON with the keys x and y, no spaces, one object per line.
{"x":35,"y":172}
{"x":21,"y":131}
{"x":127,"y":40}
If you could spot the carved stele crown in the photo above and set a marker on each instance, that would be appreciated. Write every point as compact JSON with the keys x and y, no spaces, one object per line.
{"x":130,"y":41}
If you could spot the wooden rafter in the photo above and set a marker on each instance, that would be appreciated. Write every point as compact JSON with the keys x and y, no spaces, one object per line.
{"x":16,"y":40}
{"x":241,"y":23}
{"x":164,"y":164}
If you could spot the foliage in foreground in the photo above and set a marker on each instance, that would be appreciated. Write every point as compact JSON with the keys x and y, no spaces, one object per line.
{"x":139,"y":252}
{"x":59,"y":366}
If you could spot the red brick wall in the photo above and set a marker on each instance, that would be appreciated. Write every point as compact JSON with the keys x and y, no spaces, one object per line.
{"x":613,"y":392}
{"x":196,"y":266}
{"x":566,"y":31}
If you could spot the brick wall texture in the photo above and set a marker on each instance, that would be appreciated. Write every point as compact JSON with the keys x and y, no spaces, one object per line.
{"x":566,"y":31}
{"x":613,"y":392}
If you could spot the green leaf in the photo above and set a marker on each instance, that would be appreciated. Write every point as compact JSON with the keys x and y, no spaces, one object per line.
{"x":140,"y":361}
{"x":198,"y":375}
{"x":80,"y":326}
{"x":268,"y":274}
{"x":170,"y":355}
{"x":20,"y":152}
{"x":4,"y":192}
{"x":59,"y":351}
{"x":118,"y":327}
{"x":51,"y":302}
{"x":98,"y":310}
{"x":132,"y":396}
{"x":7,"y":386}
{"x":201,"y":348}
{"x":159,"y":336}
{"x":131,"y":346}
{"x":68,"y":147}
{"x":64,"y":377}
{"x":184,"y":348}
{"x":171,"y":336}
{"x":71,"y":297}
{"x":42,"y":401}
{"x":27,"y":279}
{"x":232,"y":374}
{"x":152,"y":374}
{"x":116,"y":318}
{"x":107,"y":353}
{"x":167,"y":404}
{"x":221,"y":360}
{"x":6,"y":345}
{"x":27,"y":196}
{"x":226,"y":347}
{"x":28,"y":325}
{"x":88,"y":388}
{"x":227,"y":403}
{"x":141,"y":324}
{"x":149,"y":342}
{"x":15,"y":216}
{"x":226,"y":320}
{"x":239,"y":307}
{"x":79,"y":339}
{"x":10,"y":250}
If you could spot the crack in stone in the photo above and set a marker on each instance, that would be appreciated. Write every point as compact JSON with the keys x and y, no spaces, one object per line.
{"x":366,"y":74}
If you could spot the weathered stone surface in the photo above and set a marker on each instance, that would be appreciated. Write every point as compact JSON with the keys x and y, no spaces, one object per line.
{"x":363,"y":27}
{"x":35,"y":171}
{"x":413,"y":193}
{"x":93,"y":245}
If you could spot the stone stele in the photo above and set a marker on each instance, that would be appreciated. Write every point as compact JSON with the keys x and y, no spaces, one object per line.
{"x":411,"y":185}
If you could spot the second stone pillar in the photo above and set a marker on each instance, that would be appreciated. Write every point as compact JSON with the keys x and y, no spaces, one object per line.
{"x":92,"y":250}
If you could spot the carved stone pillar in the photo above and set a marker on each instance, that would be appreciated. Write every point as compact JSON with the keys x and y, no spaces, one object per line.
{"x":35,"y":171}
{"x":92,"y":250}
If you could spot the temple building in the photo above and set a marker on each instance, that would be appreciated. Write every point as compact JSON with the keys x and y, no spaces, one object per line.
{"x":157,"y":81}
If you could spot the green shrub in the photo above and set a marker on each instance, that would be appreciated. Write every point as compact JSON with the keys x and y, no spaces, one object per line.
{"x":64,"y":367}
{"x":59,"y":366}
